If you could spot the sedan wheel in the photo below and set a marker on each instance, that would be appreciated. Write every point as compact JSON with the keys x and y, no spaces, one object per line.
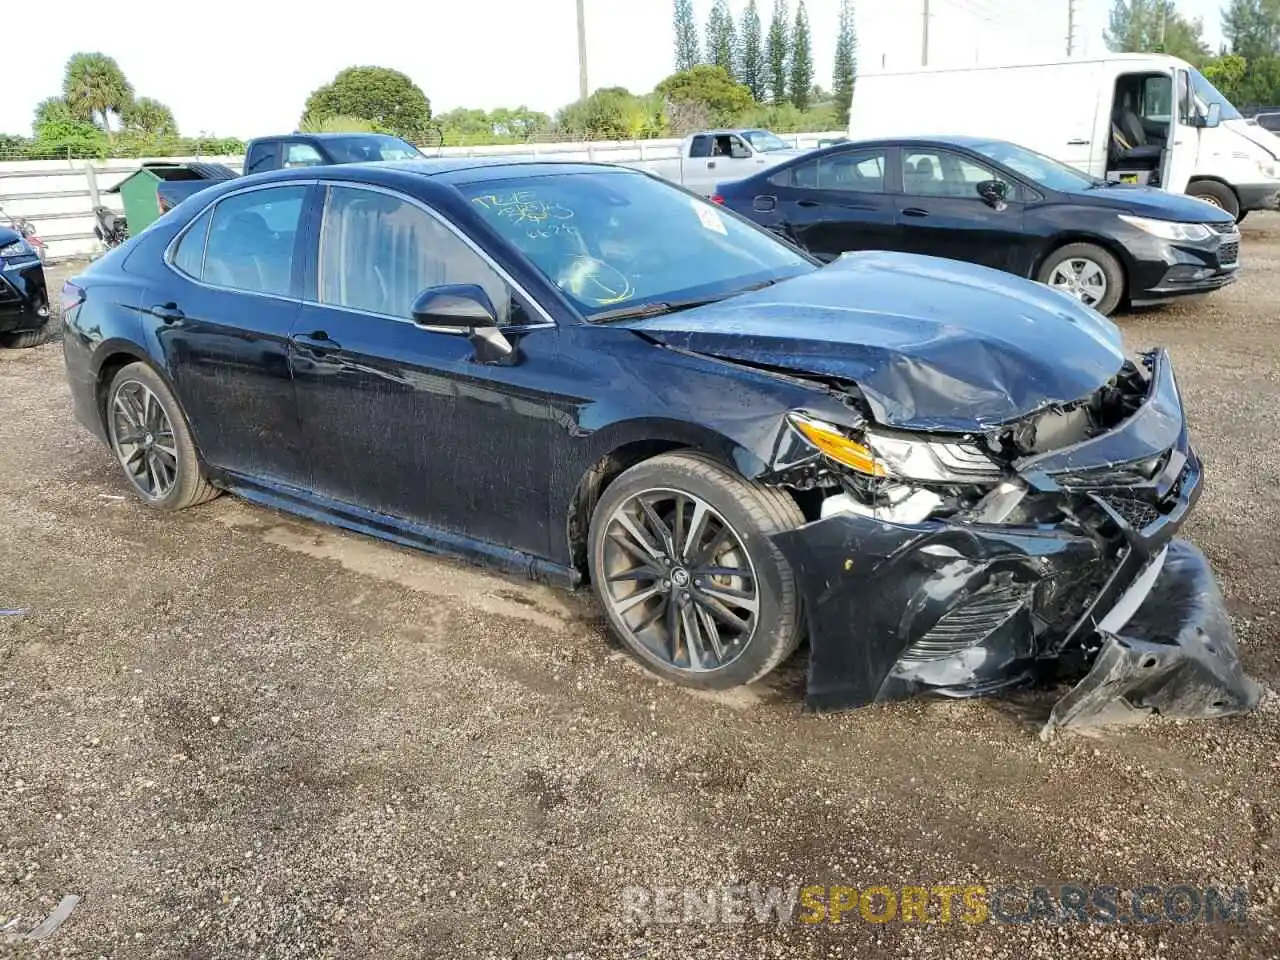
{"x":679,"y":577}
{"x":682,"y":559}
{"x":1082,"y":278}
{"x":143,"y":440}
{"x":150,"y":438}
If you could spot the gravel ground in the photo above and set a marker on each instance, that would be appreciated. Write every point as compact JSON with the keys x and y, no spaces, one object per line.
{"x":237,"y":734}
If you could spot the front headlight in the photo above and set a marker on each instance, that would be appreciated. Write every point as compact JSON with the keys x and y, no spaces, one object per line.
{"x":1268,"y":168}
{"x":1169,"y":229}
{"x":19,"y":248}
{"x":879,"y":454}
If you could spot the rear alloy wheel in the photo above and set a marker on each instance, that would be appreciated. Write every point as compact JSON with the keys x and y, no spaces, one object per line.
{"x":682,"y":563}
{"x":1087,"y":272}
{"x":1218,"y":194}
{"x":150,"y":438}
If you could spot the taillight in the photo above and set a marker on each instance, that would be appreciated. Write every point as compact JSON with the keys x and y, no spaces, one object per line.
{"x":72,"y":297}
{"x":716,"y":198}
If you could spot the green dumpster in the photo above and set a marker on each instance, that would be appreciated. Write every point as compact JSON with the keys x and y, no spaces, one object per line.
{"x":138,"y":191}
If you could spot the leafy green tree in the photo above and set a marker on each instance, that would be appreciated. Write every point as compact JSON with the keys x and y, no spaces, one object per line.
{"x":1155,"y":26}
{"x":801,"y":60}
{"x":722,"y":38}
{"x":337,"y":123}
{"x":1252,"y":28}
{"x":687,"y":46}
{"x":845,"y":74}
{"x":751,"y":65}
{"x":1227,"y":73}
{"x":777,"y":50}
{"x":95,"y":88}
{"x":710,"y":85}
{"x":385,"y":97}
{"x":145,"y":115}
{"x":608,"y":114}
{"x":60,"y":133}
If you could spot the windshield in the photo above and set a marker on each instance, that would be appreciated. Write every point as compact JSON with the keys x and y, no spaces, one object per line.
{"x":1206,"y":93}
{"x":616,"y":241}
{"x":370,"y":146}
{"x":766,"y":142}
{"x":1036,"y":167}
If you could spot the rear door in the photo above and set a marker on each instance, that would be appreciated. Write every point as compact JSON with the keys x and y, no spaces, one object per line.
{"x":225,"y":318}
{"x":835,"y":203}
{"x":940,"y":213}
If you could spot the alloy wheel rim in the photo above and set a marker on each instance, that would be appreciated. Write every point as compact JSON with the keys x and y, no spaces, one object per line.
{"x":679,"y":578}
{"x":142,"y":437}
{"x":1081,"y":277}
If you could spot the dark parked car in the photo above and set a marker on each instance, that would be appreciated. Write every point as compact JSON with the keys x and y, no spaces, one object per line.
{"x":952,"y":478}
{"x":1001,"y":205}
{"x":24,"y":302}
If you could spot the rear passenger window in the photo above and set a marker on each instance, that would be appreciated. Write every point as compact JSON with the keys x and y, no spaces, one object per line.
{"x":861,"y":172}
{"x":378,"y":252}
{"x":251,"y":240}
{"x":189,"y":257}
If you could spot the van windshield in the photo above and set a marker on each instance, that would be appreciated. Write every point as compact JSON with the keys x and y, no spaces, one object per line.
{"x":1206,"y":93}
{"x":1036,"y":167}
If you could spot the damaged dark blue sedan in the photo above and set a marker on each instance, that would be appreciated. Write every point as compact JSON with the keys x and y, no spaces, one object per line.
{"x":947,"y":478}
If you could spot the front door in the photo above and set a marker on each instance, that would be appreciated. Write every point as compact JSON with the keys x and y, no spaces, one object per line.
{"x":836,"y":203}
{"x":223,"y":324}
{"x":403,"y":420}
{"x":941,"y":214}
{"x":1181,"y":152}
{"x":717,"y":158}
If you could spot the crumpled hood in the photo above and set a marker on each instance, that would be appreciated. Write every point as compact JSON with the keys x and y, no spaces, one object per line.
{"x":932,"y":344}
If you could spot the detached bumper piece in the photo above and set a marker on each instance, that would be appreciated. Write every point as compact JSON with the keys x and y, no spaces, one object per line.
{"x":1176,"y":657}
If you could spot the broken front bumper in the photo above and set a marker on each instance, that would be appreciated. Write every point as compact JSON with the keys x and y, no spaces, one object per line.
{"x":963,"y":609}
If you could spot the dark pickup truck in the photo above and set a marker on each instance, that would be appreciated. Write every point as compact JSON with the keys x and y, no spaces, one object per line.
{"x":292,"y":150}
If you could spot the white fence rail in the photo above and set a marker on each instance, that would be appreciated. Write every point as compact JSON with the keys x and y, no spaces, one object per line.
{"x":58,"y":196}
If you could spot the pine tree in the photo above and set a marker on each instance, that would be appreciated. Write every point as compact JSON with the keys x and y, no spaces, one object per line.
{"x":801,"y":60}
{"x":688,"y":53}
{"x":846,"y":69}
{"x":722,"y":38}
{"x":751,"y":65}
{"x":776,"y":50}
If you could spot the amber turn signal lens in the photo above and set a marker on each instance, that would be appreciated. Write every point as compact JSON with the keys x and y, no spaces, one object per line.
{"x":838,"y":447}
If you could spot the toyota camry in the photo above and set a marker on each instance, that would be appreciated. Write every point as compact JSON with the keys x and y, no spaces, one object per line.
{"x":946,"y":478}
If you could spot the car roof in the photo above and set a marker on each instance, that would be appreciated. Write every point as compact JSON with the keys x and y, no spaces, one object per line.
{"x":299,"y":134}
{"x":459,"y":170}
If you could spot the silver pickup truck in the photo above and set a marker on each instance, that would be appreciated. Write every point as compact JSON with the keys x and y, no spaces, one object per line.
{"x":713,"y":156}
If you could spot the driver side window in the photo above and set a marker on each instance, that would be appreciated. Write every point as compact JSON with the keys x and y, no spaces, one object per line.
{"x":940,"y":173}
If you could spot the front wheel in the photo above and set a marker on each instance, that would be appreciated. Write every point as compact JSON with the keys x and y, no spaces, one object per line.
{"x":681,"y":560}
{"x":1087,"y":272}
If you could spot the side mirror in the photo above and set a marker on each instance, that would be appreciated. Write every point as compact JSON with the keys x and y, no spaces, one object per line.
{"x":465,"y":306}
{"x":1214,"y":115}
{"x":462,"y":305}
{"x":994,"y":193}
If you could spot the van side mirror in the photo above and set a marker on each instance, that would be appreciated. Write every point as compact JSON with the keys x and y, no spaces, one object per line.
{"x":994,"y":193}
{"x":1214,"y":115}
{"x":462,"y":305}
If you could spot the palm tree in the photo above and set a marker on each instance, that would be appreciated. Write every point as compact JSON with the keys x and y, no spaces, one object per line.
{"x":146,"y":115}
{"x":95,"y":87}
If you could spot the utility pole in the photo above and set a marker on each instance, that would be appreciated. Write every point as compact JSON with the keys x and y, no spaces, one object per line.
{"x":1071,"y":27}
{"x":924,"y":36}
{"x":582,"y":50}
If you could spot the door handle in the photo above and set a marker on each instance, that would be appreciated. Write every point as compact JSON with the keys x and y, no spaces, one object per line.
{"x":168,"y":313}
{"x":1078,"y":143}
{"x":808,"y":203}
{"x":711,"y":164}
{"x":317,"y":342}
{"x":915,"y":212}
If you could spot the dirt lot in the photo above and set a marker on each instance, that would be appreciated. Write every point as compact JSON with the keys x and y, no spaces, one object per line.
{"x":237,"y":734}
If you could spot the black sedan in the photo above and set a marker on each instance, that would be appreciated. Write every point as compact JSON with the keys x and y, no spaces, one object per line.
{"x":950,"y":477}
{"x":1001,"y":205}
{"x":24,"y":301}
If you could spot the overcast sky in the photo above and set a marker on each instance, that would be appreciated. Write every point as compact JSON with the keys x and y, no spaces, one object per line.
{"x":246,"y":69}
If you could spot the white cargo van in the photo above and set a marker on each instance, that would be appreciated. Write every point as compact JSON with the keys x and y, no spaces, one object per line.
{"x":1137,"y":118}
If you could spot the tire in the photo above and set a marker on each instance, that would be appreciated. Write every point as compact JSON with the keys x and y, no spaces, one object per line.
{"x":750,"y":512}
{"x":1085,"y":256}
{"x":1219,"y":194}
{"x":187,"y":483}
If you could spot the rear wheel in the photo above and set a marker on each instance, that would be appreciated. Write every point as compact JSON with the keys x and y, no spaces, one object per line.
{"x":681,"y":560}
{"x":1218,"y":194}
{"x":150,"y":438}
{"x":1088,"y":272}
